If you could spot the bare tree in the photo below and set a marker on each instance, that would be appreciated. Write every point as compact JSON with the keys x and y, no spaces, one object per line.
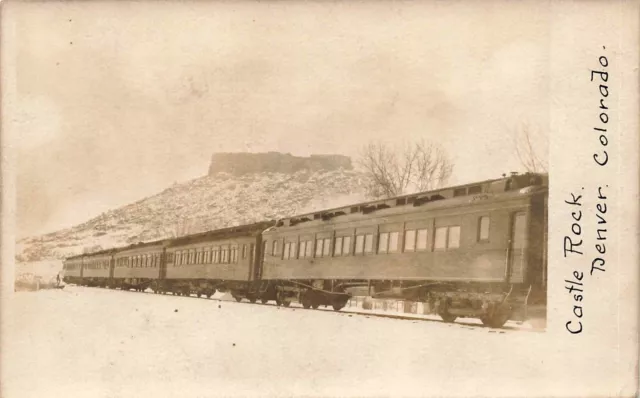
{"x":531,"y":148}
{"x":416,"y":167}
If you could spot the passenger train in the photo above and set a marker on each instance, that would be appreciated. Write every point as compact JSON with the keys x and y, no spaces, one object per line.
{"x":475,"y":250}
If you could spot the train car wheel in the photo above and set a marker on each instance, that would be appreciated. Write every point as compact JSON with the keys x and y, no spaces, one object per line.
{"x":497,"y":319}
{"x":306,"y":302}
{"x":447,"y":317}
{"x":252,"y":300}
{"x":337,"y":306}
{"x":264,"y":300}
{"x":238,"y":298}
{"x":286,"y":303}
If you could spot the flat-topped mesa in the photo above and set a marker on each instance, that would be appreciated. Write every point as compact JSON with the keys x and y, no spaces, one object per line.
{"x":275,"y":162}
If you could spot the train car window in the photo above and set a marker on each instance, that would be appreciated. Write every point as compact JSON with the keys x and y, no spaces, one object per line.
{"x":235,"y":254}
{"x":422,"y":239}
{"x":337,"y":247}
{"x":326,"y":249}
{"x":302,"y":249}
{"x":319,"y":247}
{"x":393,"y":241}
{"x":519,"y":231}
{"x":368,"y":243}
{"x":285,"y":252}
{"x":454,"y":237}
{"x":475,"y":189}
{"x":346,"y":246}
{"x":216,"y":255}
{"x":359,"y":249}
{"x":483,"y":229}
{"x":383,"y":242}
{"x":441,"y":238}
{"x":274,"y":248}
{"x":309,"y":252}
{"x":292,"y":250}
{"x":244,"y":251}
{"x":410,"y":240}
{"x":459,"y":191}
{"x":178,"y":258}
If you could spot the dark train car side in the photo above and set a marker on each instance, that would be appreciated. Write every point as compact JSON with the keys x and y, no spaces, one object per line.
{"x":96,"y":268}
{"x":72,"y":270}
{"x":475,"y":251}
{"x":138,"y":266}
{"x":225,"y":260}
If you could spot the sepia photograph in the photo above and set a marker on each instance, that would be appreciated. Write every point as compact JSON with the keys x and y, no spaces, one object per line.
{"x":304,"y":198}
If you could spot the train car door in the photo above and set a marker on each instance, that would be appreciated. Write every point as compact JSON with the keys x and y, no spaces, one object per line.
{"x":112,"y":265}
{"x":164,"y":257}
{"x":518,"y":246}
{"x":255,"y":272}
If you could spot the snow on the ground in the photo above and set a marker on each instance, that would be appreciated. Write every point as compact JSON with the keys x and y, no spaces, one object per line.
{"x":90,"y":342}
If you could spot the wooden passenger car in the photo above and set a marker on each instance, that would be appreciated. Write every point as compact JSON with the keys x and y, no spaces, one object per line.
{"x":72,"y":270}
{"x":225,"y":259}
{"x":96,"y":268}
{"x":472,"y":250}
{"x":138,"y":266}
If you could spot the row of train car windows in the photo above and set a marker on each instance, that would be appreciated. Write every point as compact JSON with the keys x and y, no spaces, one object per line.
{"x":446,"y":238}
{"x":140,"y":261}
{"x":211,"y":255}
{"x":96,"y":264}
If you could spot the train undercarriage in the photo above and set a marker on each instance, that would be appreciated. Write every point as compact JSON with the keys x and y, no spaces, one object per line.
{"x":494,"y":304}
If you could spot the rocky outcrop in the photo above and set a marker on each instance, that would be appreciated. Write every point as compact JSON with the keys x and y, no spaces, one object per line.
{"x":239,"y":164}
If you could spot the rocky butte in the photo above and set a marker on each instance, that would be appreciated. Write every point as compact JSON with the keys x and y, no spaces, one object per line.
{"x":239,"y":164}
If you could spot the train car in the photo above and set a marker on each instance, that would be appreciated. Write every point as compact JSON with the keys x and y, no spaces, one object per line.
{"x":138,"y":266}
{"x":96,"y":268}
{"x":475,"y":250}
{"x":72,"y":270}
{"x":226,"y":260}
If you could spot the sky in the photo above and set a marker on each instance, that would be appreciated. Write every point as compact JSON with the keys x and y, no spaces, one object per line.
{"x":111,"y":102}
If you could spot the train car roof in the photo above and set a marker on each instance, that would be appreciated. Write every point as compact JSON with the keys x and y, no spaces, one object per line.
{"x":512,"y":183}
{"x":223,"y":233}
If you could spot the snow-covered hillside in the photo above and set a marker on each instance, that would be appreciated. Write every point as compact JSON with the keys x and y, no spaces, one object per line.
{"x":206,"y":203}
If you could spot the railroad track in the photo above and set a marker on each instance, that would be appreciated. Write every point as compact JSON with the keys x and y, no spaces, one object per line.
{"x":347,"y":312}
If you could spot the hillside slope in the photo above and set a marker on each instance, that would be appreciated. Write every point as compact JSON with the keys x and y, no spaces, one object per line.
{"x":215,"y":201}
